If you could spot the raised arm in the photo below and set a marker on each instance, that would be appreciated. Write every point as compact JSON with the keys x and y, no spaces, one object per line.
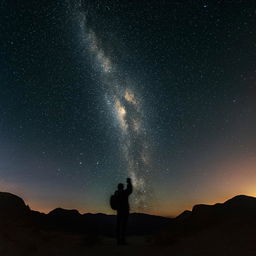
{"x":129,"y":186}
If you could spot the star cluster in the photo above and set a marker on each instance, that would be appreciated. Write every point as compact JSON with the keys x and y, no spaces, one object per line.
{"x":126,"y":111}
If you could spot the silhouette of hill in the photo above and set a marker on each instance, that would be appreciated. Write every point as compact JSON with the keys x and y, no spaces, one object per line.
{"x":12,"y":206}
{"x":235,"y":218}
{"x":222,"y":229}
{"x":73,"y":221}
{"x":238,"y":208}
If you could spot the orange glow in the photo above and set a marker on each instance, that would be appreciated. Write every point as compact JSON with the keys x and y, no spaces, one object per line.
{"x":226,"y":179}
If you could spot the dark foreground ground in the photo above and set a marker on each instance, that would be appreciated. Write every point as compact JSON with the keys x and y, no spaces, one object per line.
{"x":224,"y":229}
{"x":208,"y":242}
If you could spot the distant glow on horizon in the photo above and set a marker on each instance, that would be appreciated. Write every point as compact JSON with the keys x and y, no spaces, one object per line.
{"x":233,"y":177}
{"x":239,"y":178}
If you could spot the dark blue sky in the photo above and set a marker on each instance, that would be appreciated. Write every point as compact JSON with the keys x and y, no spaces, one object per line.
{"x":95,"y":91}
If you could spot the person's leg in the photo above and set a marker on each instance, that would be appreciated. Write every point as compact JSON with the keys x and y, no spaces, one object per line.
{"x":124,"y":226}
{"x":118,"y":228}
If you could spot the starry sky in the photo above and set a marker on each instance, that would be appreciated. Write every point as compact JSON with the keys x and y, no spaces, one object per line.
{"x":93,"y":92}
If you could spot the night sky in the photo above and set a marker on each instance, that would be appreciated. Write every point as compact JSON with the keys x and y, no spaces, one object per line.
{"x":93,"y":92}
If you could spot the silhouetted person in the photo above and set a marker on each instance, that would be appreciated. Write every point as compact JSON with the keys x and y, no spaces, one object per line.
{"x":122,"y":210}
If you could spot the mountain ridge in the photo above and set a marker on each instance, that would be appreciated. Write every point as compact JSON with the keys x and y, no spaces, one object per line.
{"x":238,"y":208}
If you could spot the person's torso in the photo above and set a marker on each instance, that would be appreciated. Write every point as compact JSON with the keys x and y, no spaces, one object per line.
{"x":123,"y":202}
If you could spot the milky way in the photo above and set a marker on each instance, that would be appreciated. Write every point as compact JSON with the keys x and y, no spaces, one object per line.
{"x":126,"y":109}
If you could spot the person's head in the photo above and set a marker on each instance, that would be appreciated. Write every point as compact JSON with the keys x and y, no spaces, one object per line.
{"x":120,"y":186}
